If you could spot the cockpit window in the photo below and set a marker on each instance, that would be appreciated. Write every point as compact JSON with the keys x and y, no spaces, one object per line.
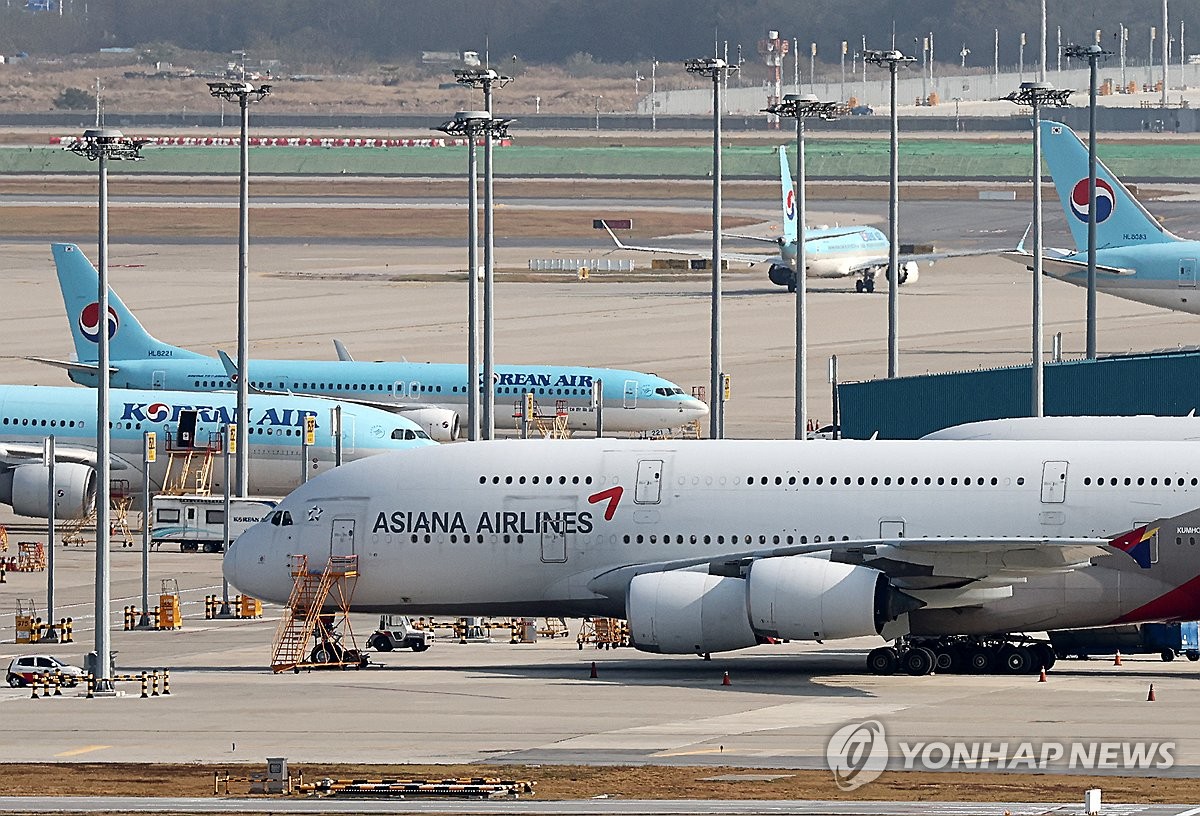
{"x":277,"y":517}
{"x":287,"y":519}
{"x":409,"y":433}
{"x":668,"y":392}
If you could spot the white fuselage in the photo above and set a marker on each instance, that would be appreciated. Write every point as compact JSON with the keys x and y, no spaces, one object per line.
{"x":533,"y":528}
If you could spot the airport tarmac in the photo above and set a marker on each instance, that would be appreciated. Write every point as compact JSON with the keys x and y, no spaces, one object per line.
{"x":536,"y":704}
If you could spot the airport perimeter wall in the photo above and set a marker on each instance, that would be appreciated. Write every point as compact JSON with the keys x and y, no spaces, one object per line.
{"x":827,"y":159}
{"x":1165,"y":384}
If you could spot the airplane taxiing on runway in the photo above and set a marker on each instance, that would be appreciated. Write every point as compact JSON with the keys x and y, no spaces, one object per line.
{"x":430,"y":394}
{"x":1136,"y":257}
{"x":829,"y":252}
{"x":30,"y":413}
{"x":707,"y":546}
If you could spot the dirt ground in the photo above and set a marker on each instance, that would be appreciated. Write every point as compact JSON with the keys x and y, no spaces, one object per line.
{"x":630,"y":782}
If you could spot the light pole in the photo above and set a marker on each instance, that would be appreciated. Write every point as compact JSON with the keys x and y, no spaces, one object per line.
{"x":471,"y":124}
{"x":717,"y":70}
{"x":243,"y":93}
{"x":1034,"y":95}
{"x":799,"y":107}
{"x":653,"y":95}
{"x":102,"y":145}
{"x":487,"y":79}
{"x":892,"y":59}
{"x":1091,"y":53}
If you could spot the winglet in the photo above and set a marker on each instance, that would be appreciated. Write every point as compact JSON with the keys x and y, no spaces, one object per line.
{"x":1021,"y":243}
{"x":343,"y":353}
{"x":230,"y":366}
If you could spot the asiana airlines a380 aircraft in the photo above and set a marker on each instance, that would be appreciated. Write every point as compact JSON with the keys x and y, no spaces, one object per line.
{"x":943,"y":548}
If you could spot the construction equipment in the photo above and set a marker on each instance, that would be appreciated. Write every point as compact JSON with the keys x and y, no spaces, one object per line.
{"x":31,"y":556}
{"x":304,"y":621}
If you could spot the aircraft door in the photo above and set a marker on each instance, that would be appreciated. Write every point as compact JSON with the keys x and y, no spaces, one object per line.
{"x":399,"y":389}
{"x":185,"y":430}
{"x":1153,"y":539}
{"x":1187,"y":273}
{"x":1054,"y":482}
{"x":891,"y":528}
{"x":556,"y":533}
{"x":649,"y":481}
{"x":341,"y":540}
{"x":158,"y":380}
{"x":414,"y":389}
{"x":629,"y":396}
{"x":347,"y":433}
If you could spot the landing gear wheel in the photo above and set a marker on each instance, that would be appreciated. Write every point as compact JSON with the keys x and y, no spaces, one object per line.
{"x":860,"y":286}
{"x":1015,"y":660}
{"x":979,"y":661}
{"x":918,"y":661}
{"x":883,"y":661}
{"x":946,"y":660}
{"x":1043,"y":656}
{"x":869,"y":285}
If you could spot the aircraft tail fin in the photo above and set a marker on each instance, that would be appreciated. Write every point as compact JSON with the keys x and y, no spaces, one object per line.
{"x":78,"y":279}
{"x":1121,"y":220}
{"x":788,"y":198}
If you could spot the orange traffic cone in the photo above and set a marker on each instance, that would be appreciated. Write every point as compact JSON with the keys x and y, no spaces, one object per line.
{"x":1150,"y":696}
{"x":595,"y":674}
{"x":1042,"y":679}
{"x":1117,"y":659}
{"x":725,"y":681}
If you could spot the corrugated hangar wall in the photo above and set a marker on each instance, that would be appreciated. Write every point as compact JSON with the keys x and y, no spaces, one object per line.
{"x":1166,"y":384}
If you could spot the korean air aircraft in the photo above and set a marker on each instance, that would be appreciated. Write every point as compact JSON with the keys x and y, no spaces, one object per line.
{"x":942,"y":547}
{"x":1136,"y":258}
{"x":430,"y":394}
{"x":28,"y":414}
{"x":829,"y":252}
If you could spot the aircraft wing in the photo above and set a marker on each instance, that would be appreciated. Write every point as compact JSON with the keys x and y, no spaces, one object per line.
{"x":728,"y":256}
{"x":1064,"y":266}
{"x":72,"y":365}
{"x":941,"y":572}
{"x":24,"y":453}
{"x":906,"y":257}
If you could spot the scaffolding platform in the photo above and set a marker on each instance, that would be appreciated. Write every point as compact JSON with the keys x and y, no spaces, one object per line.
{"x":304,"y":620}
{"x":190,"y":466}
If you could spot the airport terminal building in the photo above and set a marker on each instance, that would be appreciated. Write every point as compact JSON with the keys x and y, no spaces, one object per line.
{"x":1160,"y":383}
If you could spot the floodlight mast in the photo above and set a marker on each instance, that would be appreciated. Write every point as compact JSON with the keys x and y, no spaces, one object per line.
{"x":718,"y":71}
{"x":800,"y":107}
{"x":487,"y":79}
{"x":892,"y":59}
{"x":244,"y":94}
{"x":1035,"y":95}
{"x":102,"y":145}
{"x":472,"y":124}
{"x":1090,"y":52}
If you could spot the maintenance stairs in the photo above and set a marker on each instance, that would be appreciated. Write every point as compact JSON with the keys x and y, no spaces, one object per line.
{"x":190,"y":467}
{"x":546,"y":425}
{"x":303,"y":619}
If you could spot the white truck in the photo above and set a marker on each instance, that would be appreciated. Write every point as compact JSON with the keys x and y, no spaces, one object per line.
{"x":198,"y":522}
{"x":397,"y":632}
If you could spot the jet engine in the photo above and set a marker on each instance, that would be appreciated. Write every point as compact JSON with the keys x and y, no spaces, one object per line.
{"x":807,"y":598}
{"x":681,"y":612}
{"x":909,"y":272}
{"x":793,"y":597}
{"x":782,"y":275}
{"x":440,"y":423}
{"x":25,"y":488}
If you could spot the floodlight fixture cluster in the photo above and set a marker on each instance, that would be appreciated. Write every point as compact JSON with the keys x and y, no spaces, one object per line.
{"x":802,"y":106}
{"x":239,"y":91}
{"x":481,"y":78}
{"x":107,"y":143}
{"x":474,"y":123}
{"x":1041,"y":94}
{"x":891,"y":57}
{"x":711,"y":67}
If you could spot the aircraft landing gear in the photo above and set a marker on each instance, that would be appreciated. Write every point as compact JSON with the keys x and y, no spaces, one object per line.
{"x":866,"y":283}
{"x":962,"y":655}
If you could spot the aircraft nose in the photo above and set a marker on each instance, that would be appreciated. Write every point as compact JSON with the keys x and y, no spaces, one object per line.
{"x":694,"y":408}
{"x":244,"y":562}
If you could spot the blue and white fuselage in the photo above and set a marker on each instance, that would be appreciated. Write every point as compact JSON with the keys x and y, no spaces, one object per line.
{"x":431,"y":394}
{"x":30,"y":413}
